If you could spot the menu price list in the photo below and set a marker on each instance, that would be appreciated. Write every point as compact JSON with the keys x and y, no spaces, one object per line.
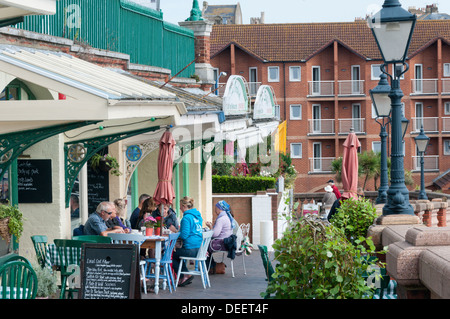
{"x":106,"y":280}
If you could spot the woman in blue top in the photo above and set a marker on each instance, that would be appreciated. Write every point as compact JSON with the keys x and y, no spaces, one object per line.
{"x":191,"y":232}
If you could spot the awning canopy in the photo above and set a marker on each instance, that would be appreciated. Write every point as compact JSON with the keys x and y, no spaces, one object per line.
{"x":12,"y":9}
{"x":92,"y":93}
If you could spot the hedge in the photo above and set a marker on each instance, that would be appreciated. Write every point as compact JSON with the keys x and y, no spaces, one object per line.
{"x":241,"y":184}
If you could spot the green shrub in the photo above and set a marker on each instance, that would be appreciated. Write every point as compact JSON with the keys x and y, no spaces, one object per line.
{"x":241,"y":184}
{"x":317,"y":261}
{"x":354,"y":217}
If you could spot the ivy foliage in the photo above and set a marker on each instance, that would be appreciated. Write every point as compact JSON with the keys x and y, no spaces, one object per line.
{"x":316,"y":261}
{"x":354,"y":216}
{"x":16,"y":219}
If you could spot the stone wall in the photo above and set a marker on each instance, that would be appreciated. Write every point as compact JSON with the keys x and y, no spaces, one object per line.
{"x":418,"y":256}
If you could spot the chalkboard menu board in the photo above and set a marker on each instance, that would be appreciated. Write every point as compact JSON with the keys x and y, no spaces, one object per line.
{"x":108,"y":271}
{"x":34,"y":180}
{"x":98,"y":188}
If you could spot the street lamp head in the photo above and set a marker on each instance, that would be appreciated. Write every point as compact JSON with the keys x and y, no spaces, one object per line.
{"x":405,"y":123}
{"x":421,"y":141}
{"x":392,"y":28}
{"x":380,"y":97}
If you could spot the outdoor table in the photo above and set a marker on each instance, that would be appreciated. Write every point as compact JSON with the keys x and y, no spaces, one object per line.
{"x":154,"y":242}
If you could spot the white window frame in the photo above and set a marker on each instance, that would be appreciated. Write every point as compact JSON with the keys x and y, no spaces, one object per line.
{"x":446,"y":69}
{"x":376,"y":143}
{"x":447,"y":108}
{"x":292,"y":151}
{"x":372,"y":71}
{"x":446,"y":147}
{"x":291,"y":116}
{"x":291,"y":73}
{"x":277,"y":79}
{"x":277,"y":112}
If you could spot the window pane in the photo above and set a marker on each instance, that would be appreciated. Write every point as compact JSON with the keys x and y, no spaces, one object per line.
{"x":273,"y":73}
{"x":376,"y":71}
{"x":296,"y":111}
{"x":294,"y":73}
{"x":296,"y":150}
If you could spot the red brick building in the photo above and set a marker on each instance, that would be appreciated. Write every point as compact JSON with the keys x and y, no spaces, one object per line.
{"x":322,"y":73}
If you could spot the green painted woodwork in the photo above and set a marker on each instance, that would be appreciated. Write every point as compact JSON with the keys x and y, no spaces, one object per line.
{"x":85,"y":149}
{"x":121,"y":26}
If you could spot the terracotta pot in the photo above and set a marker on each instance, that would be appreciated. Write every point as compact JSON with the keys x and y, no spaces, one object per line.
{"x":148,"y":231}
{"x":158,"y":231}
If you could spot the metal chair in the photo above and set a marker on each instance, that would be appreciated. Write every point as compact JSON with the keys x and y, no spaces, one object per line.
{"x":166,"y":263}
{"x":69,"y":252}
{"x":13,"y":257}
{"x":17,"y":281}
{"x":268,"y":268}
{"x":135,"y":239}
{"x":201,"y":259}
{"x":40,"y":245}
{"x":94,"y":239}
{"x":240,"y":233}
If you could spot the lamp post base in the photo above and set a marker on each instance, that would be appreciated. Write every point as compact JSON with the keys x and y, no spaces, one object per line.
{"x":398,"y":203}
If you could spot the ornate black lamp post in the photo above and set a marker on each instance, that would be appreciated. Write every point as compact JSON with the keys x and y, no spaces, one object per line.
{"x":392,"y":28}
{"x":382,"y":104}
{"x":422,"y":144}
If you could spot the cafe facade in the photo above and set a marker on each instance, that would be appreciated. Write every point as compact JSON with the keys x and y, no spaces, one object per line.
{"x":58,"y":110}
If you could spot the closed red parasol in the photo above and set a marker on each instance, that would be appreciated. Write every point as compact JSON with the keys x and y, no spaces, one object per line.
{"x":350,"y":166}
{"x":164,"y":193}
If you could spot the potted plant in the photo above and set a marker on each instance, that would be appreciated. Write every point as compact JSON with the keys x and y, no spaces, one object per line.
{"x":149,"y":223}
{"x":105,"y":163}
{"x":11,"y":222}
{"x":47,"y":282}
{"x":158,"y":226}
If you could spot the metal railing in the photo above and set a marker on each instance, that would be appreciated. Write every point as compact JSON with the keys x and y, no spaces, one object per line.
{"x":321,"y":88}
{"x":356,"y":123}
{"x":430,"y":163}
{"x":351,"y":87}
{"x":430,"y":124}
{"x":424,"y":86}
{"x":320,"y":164}
{"x":321,"y":126}
{"x":445,"y":86}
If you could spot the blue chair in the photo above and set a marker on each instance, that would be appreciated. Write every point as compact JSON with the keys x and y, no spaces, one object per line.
{"x":166,"y":263}
{"x":134,"y":239}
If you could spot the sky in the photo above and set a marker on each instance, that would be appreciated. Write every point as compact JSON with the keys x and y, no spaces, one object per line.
{"x":295,"y":11}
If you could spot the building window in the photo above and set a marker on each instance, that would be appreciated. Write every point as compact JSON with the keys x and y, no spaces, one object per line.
{"x":376,"y":71}
{"x":277,"y":112}
{"x":376,"y":147}
{"x":273,"y":74}
{"x":296,"y":112}
{"x":446,"y":147}
{"x":294,"y":74}
{"x":446,"y":69}
{"x":447,"y":108}
{"x":296,"y":150}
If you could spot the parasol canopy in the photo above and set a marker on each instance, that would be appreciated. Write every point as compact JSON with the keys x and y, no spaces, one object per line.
{"x":350,"y":166}
{"x":164,"y":193}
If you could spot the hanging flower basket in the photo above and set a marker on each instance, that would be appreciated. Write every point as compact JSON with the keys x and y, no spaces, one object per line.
{"x":4,"y":230}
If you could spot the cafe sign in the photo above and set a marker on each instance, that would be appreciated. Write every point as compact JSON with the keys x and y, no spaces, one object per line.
{"x":235,"y":98}
{"x":264,"y":106}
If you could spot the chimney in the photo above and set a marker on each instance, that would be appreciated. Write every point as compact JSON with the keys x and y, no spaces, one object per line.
{"x":202,"y":32}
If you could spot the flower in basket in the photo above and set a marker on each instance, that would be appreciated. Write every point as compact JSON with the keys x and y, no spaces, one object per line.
{"x":149,"y":221}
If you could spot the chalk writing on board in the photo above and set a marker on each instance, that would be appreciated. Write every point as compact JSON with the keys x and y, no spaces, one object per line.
{"x":34,"y":182}
{"x":105,"y":279}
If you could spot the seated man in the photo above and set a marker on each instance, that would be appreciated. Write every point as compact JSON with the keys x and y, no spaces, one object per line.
{"x":96,"y":223}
